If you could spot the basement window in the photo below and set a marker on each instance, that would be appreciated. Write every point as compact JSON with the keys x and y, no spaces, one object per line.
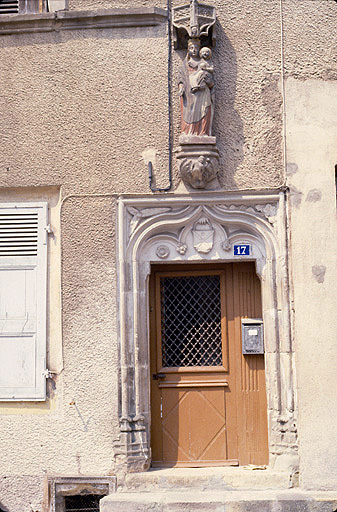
{"x":80,"y":503}
{"x":31,"y":6}
{"x":79,"y":493}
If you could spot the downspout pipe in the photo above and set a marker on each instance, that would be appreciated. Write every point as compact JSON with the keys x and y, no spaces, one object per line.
{"x":169,"y":92}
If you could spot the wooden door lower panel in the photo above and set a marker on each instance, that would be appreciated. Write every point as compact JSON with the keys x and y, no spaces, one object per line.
{"x":193,"y":428}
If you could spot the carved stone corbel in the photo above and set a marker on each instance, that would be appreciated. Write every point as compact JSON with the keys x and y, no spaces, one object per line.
{"x":198,"y":160}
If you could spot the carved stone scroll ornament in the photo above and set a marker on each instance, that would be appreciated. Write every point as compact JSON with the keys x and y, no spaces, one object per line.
{"x":269,"y":210}
{"x":138,"y":215}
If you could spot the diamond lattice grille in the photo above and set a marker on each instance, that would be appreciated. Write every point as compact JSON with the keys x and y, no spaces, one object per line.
{"x":191,"y":321}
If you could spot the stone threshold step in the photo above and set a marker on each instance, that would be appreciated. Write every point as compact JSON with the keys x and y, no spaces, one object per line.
{"x":291,"y":500}
{"x":206,"y":479}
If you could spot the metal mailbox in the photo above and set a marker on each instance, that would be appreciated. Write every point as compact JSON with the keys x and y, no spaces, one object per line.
{"x":252,"y":336}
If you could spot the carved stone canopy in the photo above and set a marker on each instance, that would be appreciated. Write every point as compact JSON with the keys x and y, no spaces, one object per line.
{"x":196,"y":20}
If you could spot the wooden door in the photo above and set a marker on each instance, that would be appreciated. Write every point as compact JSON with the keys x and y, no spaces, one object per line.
{"x":207,"y":400}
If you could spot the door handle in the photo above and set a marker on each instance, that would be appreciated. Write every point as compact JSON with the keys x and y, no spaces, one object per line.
{"x":157,"y":376}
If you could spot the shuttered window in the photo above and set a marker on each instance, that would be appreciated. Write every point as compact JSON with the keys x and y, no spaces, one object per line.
{"x":9,"y":6}
{"x":23,"y":285}
{"x":31,"y":6}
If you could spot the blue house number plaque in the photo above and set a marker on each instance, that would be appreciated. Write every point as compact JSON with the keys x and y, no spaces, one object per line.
{"x":242,"y":250}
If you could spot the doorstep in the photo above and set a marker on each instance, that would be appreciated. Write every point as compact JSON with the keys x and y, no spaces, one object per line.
{"x":290,"y":500}
{"x":210,"y":478}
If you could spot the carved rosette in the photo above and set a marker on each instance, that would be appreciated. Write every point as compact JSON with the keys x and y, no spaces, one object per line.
{"x":162,"y":251}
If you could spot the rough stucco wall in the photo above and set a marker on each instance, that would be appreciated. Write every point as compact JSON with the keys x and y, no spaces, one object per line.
{"x":311,"y":91}
{"x":21,"y":493}
{"x":110,"y":4}
{"x":85,"y":110}
{"x":89,"y":333}
{"x":309,"y":44}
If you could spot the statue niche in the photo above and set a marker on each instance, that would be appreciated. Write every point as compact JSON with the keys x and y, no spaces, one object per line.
{"x":197,"y":155}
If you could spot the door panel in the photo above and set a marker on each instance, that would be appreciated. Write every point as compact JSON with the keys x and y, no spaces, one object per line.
{"x":199,"y":375}
{"x":189,"y":436}
{"x":251,"y":387}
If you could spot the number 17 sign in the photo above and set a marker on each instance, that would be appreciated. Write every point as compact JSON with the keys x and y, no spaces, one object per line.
{"x":242,"y":250}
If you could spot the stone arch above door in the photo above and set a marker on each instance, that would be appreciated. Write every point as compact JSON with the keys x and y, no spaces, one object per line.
{"x":197,"y":228}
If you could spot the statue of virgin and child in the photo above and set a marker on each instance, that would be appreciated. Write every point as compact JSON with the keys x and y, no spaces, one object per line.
{"x":196,"y":90}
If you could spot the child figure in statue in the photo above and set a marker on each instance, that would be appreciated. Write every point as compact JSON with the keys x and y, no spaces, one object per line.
{"x":204,"y":77}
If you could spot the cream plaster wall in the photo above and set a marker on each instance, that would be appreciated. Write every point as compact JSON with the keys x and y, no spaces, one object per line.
{"x":82,"y":114}
{"x":310,"y":62}
{"x":312,"y":156}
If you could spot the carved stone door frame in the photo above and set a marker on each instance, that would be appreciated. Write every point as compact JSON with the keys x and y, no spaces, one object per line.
{"x":200,"y":228}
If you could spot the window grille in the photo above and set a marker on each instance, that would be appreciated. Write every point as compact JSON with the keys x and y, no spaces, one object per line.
{"x":191,"y":321}
{"x":9,"y":6}
{"x":84,"y":503}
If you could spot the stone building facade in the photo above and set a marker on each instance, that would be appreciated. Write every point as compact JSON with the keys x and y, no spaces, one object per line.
{"x":90,"y":106}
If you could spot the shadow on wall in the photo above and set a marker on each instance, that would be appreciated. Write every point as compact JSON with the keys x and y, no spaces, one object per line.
{"x":3,"y":509}
{"x":228,"y":126}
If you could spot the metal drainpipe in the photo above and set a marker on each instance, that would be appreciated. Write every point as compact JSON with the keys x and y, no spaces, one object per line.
{"x":169,"y":76}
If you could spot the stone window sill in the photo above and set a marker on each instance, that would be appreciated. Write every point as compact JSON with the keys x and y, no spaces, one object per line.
{"x":75,"y":20}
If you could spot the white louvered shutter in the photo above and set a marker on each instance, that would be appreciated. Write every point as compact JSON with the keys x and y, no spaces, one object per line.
{"x":9,"y":6}
{"x":57,"y":5}
{"x":23,"y":285}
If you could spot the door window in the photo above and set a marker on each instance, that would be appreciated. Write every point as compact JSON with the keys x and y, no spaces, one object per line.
{"x":191,"y":321}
